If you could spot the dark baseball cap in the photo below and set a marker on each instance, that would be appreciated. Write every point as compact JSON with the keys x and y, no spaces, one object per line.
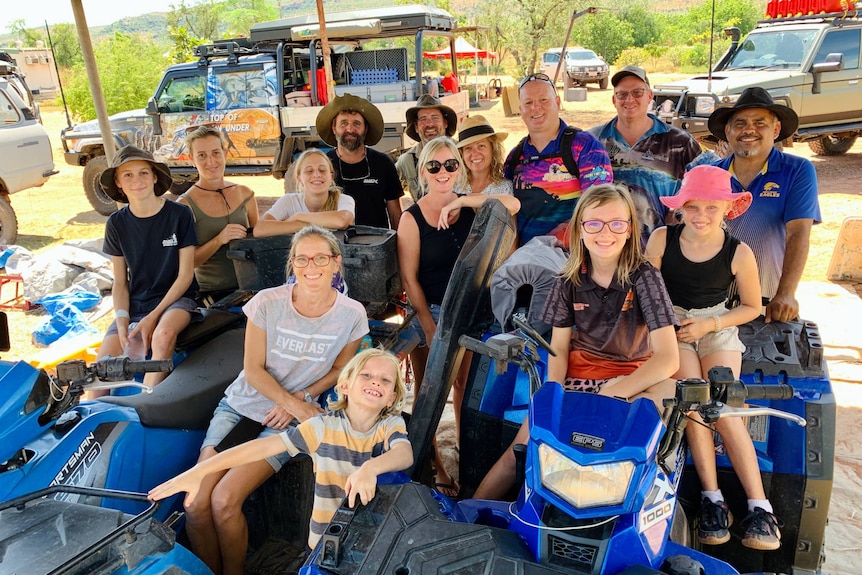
{"x":635,"y":71}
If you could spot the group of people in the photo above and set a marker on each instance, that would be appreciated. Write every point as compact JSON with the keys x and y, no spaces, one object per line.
{"x":659,"y":234}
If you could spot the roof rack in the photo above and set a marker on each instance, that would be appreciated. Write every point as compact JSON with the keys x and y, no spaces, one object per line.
{"x":231,"y":49}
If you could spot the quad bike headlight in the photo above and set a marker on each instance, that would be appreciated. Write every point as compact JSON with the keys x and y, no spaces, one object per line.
{"x":584,"y":486}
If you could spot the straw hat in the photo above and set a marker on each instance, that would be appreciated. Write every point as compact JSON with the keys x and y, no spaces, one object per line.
{"x":130,"y":154}
{"x":477,"y":128}
{"x":709,"y":183}
{"x":352,"y":104}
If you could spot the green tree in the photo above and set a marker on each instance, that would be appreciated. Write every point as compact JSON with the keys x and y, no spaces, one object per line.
{"x":607,"y":34}
{"x":67,"y":49}
{"x":27,"y":35}
{"x":646,"y":28}
{"x":130,"y":68}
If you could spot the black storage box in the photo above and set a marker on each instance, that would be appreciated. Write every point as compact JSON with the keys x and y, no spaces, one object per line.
{"x":369,"y":262}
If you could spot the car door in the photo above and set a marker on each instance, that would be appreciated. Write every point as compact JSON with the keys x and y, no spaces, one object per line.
{"x":26,"y":159}
{"x":840,"y":94}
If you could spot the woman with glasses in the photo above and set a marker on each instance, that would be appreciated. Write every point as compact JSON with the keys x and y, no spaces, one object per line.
{"x":223,"y":211}
{"x":298,"y":338}
{"x":431,"y":234}
{"x":319,"y":200}
{"x":613,"y":321}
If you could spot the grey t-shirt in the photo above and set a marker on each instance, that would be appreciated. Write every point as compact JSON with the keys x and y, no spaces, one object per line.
{"x":300,"y":350}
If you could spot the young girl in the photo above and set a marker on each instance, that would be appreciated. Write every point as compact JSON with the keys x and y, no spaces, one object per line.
{"x":152,"y":247}
{"x":319,"y":202}
{"x":613,"y":322}
{"x":699,"y":260}
{"x":361,"y":437}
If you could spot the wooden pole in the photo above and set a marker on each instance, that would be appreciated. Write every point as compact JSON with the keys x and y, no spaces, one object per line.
{"x":324,"y":46}
{"x":93,"y":78}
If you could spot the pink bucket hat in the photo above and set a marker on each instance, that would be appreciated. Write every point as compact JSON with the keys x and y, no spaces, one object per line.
{"x":709,"y":183}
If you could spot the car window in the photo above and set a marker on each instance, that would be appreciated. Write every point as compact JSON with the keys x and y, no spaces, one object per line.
{"x":774,"y":48}
{"x":842,"y":41}
{"x":230,"y":88}
{"x":183,"y":94}
{"x":8,"y":111}
{"x":582,"y":55}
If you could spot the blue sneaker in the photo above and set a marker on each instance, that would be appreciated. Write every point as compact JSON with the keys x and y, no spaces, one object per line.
{"x":714,"y":523}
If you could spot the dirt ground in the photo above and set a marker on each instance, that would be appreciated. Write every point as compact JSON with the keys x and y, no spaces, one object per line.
{"x":59,"y":211}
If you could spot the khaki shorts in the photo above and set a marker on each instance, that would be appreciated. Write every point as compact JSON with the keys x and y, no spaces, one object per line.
{"x":726,"y":339}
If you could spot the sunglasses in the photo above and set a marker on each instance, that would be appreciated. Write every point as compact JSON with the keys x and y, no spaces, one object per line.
{"x":433,"y":166}
{"x":539,"y":76}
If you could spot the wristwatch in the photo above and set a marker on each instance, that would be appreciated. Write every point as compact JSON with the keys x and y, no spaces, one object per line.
{"x":307,"y":396}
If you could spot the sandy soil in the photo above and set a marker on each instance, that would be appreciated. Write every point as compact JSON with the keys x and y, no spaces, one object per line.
{"x":59,"y":210}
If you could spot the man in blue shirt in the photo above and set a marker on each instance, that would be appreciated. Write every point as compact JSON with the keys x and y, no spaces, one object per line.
{"x":784,"y":187}
{"x":646,"y":154}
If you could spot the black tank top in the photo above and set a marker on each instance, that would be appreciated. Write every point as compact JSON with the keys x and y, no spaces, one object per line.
{"x":694,"y":285}
{"x":438,"y":251}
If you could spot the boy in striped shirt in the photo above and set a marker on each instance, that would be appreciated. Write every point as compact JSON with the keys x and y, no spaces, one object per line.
{"x":362,"y":436}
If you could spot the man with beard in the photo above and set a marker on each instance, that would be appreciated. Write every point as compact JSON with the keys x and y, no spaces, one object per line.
{"x":351,"y":125}
{"x":646,"y":154}
{"x":784,"y":186}
{"x":427,"y":120}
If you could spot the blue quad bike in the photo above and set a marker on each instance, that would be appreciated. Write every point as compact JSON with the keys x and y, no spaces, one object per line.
{"x":562,"y":521}
{"x":607,"y":486}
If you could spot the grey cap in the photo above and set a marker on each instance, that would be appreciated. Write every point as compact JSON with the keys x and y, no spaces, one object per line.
{"x":635,"y":71}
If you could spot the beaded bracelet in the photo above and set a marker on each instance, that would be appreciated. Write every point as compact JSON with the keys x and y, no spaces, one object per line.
{"x":717,"y":321}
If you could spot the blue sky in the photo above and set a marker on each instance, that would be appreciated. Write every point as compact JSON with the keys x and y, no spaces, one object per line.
{"x":98,"y":12}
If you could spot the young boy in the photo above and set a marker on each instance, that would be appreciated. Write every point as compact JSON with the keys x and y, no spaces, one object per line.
{"x":361,"y":437}
{"x":152,"y":244}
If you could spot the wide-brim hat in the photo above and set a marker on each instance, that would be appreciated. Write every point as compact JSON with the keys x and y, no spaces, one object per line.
{"x":354,"y":105}
{"x":130,"y":154}
{"x":755,"y":97}
{"x":428,"y":101}
{"x":477,"y":128}
{"x":709,"y":183}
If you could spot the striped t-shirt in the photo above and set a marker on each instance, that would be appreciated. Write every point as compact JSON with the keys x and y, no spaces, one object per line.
{"x":338,"y":450}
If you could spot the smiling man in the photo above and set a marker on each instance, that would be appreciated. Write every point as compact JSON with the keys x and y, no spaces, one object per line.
{"x":351,"y":125}
{"x":551,"y":166}
{"x":784,"y":187}
{"x":646,"y":154}
{"x":426,"y":120}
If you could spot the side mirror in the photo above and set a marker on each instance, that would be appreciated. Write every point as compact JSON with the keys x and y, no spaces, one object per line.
{"x":833,"y":63}
{"x":153,"y":111}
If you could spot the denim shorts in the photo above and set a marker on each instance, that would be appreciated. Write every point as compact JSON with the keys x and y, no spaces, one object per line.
{"x":184,"y":303}
{"x":225,"y":418}
{"x":435,"y":313}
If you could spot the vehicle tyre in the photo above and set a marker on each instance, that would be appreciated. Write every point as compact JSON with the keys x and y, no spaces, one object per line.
{"x":97,"y":197}
{"x":603,"y":84}
{"x":8,"y":223}
{"x":831,"y":146}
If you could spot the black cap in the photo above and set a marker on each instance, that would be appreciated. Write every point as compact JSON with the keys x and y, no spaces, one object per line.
{"x":635,"y":71}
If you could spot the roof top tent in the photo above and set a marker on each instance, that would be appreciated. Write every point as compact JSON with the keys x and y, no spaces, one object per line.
{"x":353,"y":26}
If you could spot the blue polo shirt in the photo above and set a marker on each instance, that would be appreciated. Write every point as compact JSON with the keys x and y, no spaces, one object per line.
{"x":784,"y":190}
{"x":548,"y":193}
{"x":653,"y":167}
